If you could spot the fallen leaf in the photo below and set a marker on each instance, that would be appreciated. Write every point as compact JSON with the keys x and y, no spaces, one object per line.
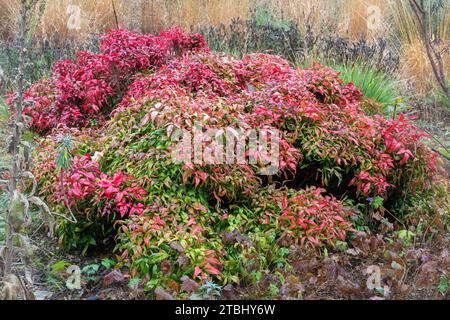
{"x":114,"y":277}
{"x":162,"y":294}
{"x":228,"y":292}
{"x":177,"y":247}
{"x":43,"y":295}
{"x":166,"y":267}
{"x":188,"y":285}
{"x":352,"y":252}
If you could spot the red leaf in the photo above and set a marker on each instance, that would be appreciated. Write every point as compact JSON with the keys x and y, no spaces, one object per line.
{"x":119,"y":197}
{"x":112,"y":278}
{"x":285,"y":203}
{"x":197,"y":272}
{"x":211,"y":270}
{"x":118,"y":179}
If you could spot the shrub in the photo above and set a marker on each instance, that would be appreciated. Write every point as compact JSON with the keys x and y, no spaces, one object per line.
{"x":204,"y":220}
{"x":187,"y":239}
{"x":84,"y":91}
{"x":173,"y":241}
{"x":305,"y":216}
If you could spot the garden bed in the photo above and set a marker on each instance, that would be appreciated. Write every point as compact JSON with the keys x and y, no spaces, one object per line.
{"x":353,"y":190}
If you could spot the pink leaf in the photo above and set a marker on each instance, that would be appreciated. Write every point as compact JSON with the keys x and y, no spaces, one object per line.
{"x":118,"y":179}
{"x":197,"y":272}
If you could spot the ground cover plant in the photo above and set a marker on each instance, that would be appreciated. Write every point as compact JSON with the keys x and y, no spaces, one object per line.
{"x":105,"y":123}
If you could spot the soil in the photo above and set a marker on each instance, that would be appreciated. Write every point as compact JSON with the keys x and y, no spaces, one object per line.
{"x":409,"y":270}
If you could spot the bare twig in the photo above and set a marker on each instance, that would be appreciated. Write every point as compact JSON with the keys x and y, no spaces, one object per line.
{"x":115,"y":14}
{"x":17,"y":133}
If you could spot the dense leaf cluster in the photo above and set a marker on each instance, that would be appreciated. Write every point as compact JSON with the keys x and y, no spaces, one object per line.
{"x":203,"y":220}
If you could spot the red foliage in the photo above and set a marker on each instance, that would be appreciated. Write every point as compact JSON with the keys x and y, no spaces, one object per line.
{"x":84,"y":91}
{"x":320,"y":117}
{"x":315,"y":218}
{"x":141,"y":88}
{"x":86,"y":183}
{"x":172,"y":80}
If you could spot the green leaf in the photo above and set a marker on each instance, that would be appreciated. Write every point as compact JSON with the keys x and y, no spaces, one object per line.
{"x":443,"y":285}
{"x":108,"y":263}
{"x":377,"y":203}
{"x":59,"y":266}
{"x":406,"y":235}
{"x":395,"y":265}
{"x":64,"y":160}
{"x":152,"y":284}
{"x":134,"y":283}
{"x":90,"y":269}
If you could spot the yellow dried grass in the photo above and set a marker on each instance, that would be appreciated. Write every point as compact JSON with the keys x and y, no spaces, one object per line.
{"x":351,"y":18}
{"x":153,"y":15}
{"x":414,"y":64}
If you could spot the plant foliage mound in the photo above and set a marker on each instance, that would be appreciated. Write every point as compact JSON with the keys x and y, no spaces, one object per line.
{"x":181,"y":224}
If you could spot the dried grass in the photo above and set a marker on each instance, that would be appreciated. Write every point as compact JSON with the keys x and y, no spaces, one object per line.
{"x":365,"y":19}
{"x":415,"y":65}
{"x":96,"y":16}
{"x":350,"y":18}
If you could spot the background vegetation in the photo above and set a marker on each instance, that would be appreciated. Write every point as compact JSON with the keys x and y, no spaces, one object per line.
{"x":346,"y":19}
